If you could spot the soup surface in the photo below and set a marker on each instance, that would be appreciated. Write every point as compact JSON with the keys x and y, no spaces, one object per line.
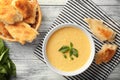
{"x":62,"y":37}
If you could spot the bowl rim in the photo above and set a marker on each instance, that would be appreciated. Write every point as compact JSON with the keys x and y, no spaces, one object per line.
{"x":86,"y":65}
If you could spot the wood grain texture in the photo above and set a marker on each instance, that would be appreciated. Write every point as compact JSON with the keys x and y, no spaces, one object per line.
{"x":29,"y":67}
{"x":63,"y":2}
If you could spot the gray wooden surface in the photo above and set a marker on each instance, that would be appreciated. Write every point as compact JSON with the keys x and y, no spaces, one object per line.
{"x":31,"y":68}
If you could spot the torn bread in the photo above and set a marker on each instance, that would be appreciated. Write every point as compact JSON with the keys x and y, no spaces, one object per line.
{"x":5,"y":35}
{"x":5,"y":2}
{"x":22,"y":32}
{"x":27,"y":8}
{"x":100,"y":30}
{"x":106,"y":53}
{"x":3,"y":31}
{"x":8,"y":15}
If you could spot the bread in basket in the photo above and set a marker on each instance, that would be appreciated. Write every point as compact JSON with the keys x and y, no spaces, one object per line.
{"x":21,"y":21}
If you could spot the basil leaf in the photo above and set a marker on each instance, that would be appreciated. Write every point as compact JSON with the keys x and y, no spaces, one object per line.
{"x":65,"y":56}
{"x":13,"y":68}
{"x":1,"y":44}
{"x":72,"y":58}
{"x":71,"y":52}
{"x":71,"y":44}
{"x":70,"y":49}
{"x":3,"y":77}
{"x":4,"y":56}
{"x":7,"y":67}
{"x":64,"y":49}
{"x":2,"y":50}
{"x":8,"y":63}
{"x":8,"y":71}
{"x":75,"y":52}
{"x":2,"y":70}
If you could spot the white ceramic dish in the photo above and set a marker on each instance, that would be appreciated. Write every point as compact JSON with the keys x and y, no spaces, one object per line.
{"x":83,"y":68}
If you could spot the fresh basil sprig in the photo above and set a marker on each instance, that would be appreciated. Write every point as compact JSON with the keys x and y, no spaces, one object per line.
{"x":72,"y":51}
{"x":64,"y":49}
{"x":7,"y":67}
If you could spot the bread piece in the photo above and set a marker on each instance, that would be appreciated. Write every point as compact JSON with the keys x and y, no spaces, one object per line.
{"x":4,"y":34}
{"x":22,"y":32}
{"x":8,"y":15}
{"x":100,"y":30}
{"x":35,"y":26}
{"x":106,"y":53}
{"x":3,"y":31}
{"x":5,"y":2}
{"x":27,"y":8}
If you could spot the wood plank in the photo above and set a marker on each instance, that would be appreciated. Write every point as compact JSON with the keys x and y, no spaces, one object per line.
{"x":52,"y":2}
{"x":20,"y":52}
{"x":63,"y":2}
{"x":113,"y":11}
{"x":34,"y":70}
{"x":115,"y":74}
{"x":107,"y":2}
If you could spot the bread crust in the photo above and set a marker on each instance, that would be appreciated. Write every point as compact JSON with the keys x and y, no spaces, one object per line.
{"x":100,"y":30}
{"x":106,"y":53}
{"x":36,"y":25}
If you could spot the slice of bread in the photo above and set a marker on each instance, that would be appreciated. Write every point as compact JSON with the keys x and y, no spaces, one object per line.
{"x":9,"y":15}
{"x":106,"y":53}
{"x":35,"y":26}
{"x":100,"y":30}
{"x":27,"y":8}
{"x":22,"y":32}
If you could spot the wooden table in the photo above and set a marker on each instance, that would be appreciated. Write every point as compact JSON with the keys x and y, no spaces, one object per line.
{"x":29,"y":67}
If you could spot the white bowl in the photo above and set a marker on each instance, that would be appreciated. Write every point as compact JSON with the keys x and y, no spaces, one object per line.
{"x":83,"y":68}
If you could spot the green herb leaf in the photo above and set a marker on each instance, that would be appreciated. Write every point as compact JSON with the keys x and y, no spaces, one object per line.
{"x":8,"y":71}
{"x":72,"y":51}
{"x":13,"y":68}
{"x":64,"y":49}
{"x":7,"y":67}
{"x":75,"y":52}
{"x":72,"y":58}
{"x":1,"y":44}
{"x":71,"y":44}
{"x":2,"y":55}
{"x":5,"y":57}
{"x":65,"y":56}
{"x":2,"y":70}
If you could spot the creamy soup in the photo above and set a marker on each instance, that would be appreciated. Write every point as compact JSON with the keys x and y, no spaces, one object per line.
{"x":62,"y":37}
